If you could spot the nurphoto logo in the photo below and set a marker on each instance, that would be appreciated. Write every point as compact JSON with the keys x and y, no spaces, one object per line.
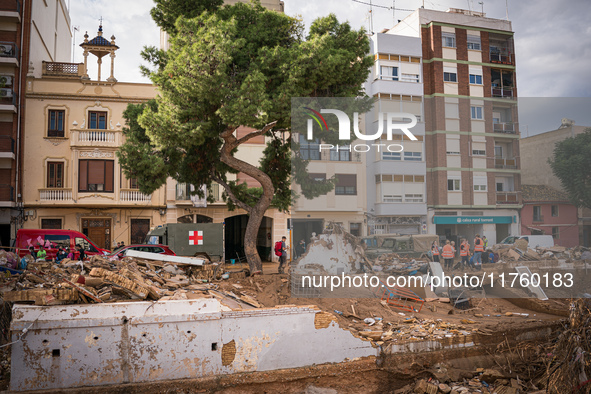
{"x":394,"y":121}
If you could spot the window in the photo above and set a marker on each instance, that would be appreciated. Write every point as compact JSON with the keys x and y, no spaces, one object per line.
{"x":413,"y":156}
{"x":341,"y":153}
{"x":355,"y":229}
{"x":183,"y":191}
{"x":480,"y":183}
{"x":53,"y":224}
{"x":309,"y":150}
{"x":499,"y":151}
{"x":500,"y":186}
{"x":413,"y":198}
{"x":391,"y":198}
{"x":55,"y":174}
{"x":389,"y":73}
{"x":475,"y":79}
{"x":555,"y":210}
{"x":450,"y":77}
{"x":87,"y":246}
{"x":57,"y":241}
{"x":391,"y":156}
{"x":474,"y":43}
{"x":454,"y":185}
{"x":97,"y":120}
{"x":476,"y":112}
{"x":346,"y":185}
{"x":555,"y":232}
{"x":477,"y":152}
{"x":133,"y":184}
{"x":449,"y":40}
{"x":55,"y":128}
{"x":537,"y":213}
{"x":410,"y":78}
{"x":95,"y":175}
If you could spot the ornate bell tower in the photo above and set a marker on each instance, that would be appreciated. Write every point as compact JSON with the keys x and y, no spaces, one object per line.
{"x":99,"y":47}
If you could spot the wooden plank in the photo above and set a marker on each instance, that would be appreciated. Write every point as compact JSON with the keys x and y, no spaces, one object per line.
{"x":163,"y":257}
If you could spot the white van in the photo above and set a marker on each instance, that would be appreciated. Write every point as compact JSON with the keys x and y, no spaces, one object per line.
{"x":534,"y":241}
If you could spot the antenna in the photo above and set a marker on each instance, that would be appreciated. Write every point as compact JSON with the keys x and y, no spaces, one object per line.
{"x":75,"y":28}
{"x":482,"y":6}
{"x":507,"y":8}
{"x":370,"y":17}
{"x":469,"y":6}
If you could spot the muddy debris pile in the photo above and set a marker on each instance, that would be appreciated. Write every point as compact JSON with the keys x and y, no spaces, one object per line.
{"x":99,"y":280}
{"x":486,"y":381}
{"x":520,"y":251}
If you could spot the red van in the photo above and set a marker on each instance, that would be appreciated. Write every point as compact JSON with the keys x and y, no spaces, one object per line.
{"x":52,"y":239}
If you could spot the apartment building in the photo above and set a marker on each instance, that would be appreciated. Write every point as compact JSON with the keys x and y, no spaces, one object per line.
{"x":396,"y":181}
{"x":30,"y":31}
{"x":471,"y":133}
{"x":73,"y":128}
{"x":535,"y":151}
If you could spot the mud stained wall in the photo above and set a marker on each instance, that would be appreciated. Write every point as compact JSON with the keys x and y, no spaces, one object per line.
{"x":104,"y":344}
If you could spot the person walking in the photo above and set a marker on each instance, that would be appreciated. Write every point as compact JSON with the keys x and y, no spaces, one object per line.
{"x":478,"y":249}
{"x":448,"y":254}
{"x":80,"y":250}
{"x":435,"y":252}
{"x":283,"y":257}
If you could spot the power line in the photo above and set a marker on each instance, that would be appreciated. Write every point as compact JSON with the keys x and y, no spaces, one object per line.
{"x":383,"y":6}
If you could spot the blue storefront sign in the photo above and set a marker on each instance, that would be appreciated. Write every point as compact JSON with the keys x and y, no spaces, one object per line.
{"x":472,"y":219}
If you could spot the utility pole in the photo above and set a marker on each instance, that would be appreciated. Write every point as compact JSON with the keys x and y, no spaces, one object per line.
{"x":75,"y":28}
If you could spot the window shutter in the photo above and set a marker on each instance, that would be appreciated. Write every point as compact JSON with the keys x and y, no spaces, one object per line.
{"x":96,"y":172}
{"x":109,"y":175}
{"x":83,"y":175}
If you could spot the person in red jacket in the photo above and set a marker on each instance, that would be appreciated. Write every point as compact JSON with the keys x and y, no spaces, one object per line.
{"x":448,"y":254}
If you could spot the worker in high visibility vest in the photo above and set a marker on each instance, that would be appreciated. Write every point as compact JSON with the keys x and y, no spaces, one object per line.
{"x":465,"y":252}
{"x":478,"y":249}
{"x":435,"y":251}
{"x":448,"y":254}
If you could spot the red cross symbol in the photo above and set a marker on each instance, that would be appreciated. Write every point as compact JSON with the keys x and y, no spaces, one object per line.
{"x":195,"y":237}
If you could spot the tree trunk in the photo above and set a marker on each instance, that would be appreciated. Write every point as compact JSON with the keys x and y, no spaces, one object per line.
{"x":256,"y":213}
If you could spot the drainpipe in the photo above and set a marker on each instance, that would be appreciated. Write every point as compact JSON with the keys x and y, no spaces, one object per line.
{"x":20,"y":106}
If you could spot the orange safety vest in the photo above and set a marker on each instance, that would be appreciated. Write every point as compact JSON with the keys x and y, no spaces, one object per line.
{"x":478,"y":248}
{"x":435,"y":250}
{"x":448,"y":252}
{"x":464,"y":250}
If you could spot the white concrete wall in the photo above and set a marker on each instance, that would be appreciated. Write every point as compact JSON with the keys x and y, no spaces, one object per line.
{"x":105,"y":344}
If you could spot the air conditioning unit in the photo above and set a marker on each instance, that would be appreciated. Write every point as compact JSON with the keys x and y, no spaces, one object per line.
{"x":5,"y":80}
{"x":5,"y":49}
{"x":5,"y":92}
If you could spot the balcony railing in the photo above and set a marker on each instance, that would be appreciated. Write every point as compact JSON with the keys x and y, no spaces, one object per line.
{"x":502,"y":57}
{"x":330,"y":155}
{"x":508,"y":197}
{"x":502,"y":92}
{"x":509,"y":164}
{"x":8,"y":96}
{"x":505,"y":127}
{"x":538,"y":218}
{"x":6,"y":193}
{"x":55,"y":194}
{"x":6,"y":143}
{"x":96,"y":136}
{"x":69,"y":70}
{"x":8,"y":50}
{"x":134,"y":195}
{"x":10,"y":5}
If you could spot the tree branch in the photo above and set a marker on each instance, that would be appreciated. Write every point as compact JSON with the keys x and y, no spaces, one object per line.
{"x":228,"y":190}
{"x":256,"y":133}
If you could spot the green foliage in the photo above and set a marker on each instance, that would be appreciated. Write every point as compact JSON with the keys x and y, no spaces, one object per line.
{"x":571,"y":163}
{"x":236,"y":66}
{"x":166,"y":12}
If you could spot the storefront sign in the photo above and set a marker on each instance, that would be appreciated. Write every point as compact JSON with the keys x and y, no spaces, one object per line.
{"x":472,"y":219}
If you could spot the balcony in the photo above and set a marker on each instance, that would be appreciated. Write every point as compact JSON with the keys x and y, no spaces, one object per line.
{"x":55,"y":195}
{"x":501,"y":56}
{"x":8,"y":100}
{"x":133,"y":195}
{"x":512,"y":198}
{"x":63,"y":70}
{"x":6,"y":194}
{"x":96,"y":138}
{"x":502,"y":92}
{"x":505,"y":128}
{"x":6,"y":147}
{"x":8,"y":53}
{"x":538,"y":219}
{"x":507,"y":164}
{"x":10,"y":6}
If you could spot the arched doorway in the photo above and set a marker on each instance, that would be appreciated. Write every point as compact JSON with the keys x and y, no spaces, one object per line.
{"x":235,"y":228}
{"x":195,"y":219}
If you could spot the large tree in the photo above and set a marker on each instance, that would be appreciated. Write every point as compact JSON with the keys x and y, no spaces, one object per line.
{"x":228,"y":67}
{"x":571,"y":163}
